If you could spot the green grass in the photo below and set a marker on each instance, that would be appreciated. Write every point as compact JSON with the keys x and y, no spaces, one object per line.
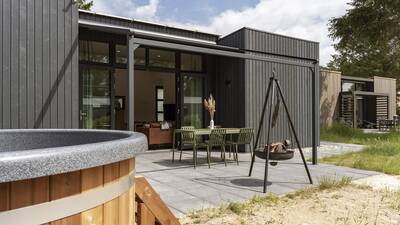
{"x":382,"y":152}
{"x":330,"y":183}
{"x":342,"y":133}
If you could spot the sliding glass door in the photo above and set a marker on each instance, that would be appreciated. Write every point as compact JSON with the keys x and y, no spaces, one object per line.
{"x":96,"y":111}
{"x":192,"y":107}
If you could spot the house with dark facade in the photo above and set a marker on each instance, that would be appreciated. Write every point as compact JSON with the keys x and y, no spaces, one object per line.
{"x":67,"y":68}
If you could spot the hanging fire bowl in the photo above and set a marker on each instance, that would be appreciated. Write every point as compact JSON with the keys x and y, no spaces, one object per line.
{"x":278,"y":156}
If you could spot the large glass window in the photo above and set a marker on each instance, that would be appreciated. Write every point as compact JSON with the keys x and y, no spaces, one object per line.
{"x":93,"y":51}
{"x":140,"y":56}
{"x":193,"y":101}
{"x":161,"y":58}
{"x":191,"y":62}
{"x":96,"y":99}
{"x":121,"y":54}
{"x":348,"y":86}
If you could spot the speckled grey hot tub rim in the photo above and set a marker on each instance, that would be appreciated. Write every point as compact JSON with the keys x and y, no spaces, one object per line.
{"x":27,"y":164}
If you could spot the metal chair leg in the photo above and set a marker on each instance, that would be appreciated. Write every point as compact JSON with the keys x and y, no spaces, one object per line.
{"x":194,"y":156}
{"x":237,"y":158}
{"x":223,"y":148}
{"x":208,"y":156}
{"x":173,"y":155}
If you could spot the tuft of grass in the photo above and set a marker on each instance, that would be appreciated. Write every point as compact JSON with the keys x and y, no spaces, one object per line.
{"x":331,"y":183}
{"x":237,"y":207}
{"x":396,"y":201}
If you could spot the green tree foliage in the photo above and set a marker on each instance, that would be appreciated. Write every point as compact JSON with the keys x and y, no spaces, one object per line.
{"x":84,"y":4}
{"x":368,"y":39}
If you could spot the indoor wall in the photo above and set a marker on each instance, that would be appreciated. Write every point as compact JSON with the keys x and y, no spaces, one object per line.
{"x":145,"y":90}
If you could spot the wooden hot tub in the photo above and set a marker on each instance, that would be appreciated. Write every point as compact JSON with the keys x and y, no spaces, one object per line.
{"x":68,"y":176}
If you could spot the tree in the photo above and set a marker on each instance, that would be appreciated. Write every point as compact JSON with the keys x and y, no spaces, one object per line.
{"x":83,"y":4}
{"x":368,"y":39}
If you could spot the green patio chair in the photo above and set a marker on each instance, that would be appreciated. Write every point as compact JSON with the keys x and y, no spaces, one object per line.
{"x":188,"y":137}
{"x":216,"y":139}
{"x":245,"y":137}
{"x":184,"y":128}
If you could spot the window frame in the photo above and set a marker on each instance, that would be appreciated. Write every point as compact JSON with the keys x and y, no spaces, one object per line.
{"x":110,"y":54}
{"x":159,"y":87}
{"x":192,"y":71}
{"x":159,"y":68}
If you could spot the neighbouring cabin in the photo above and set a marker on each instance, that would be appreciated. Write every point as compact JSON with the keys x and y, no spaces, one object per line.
{"x":360,"y":102}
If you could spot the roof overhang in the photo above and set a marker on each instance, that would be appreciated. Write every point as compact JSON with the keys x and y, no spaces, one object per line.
{"x":363,"y":79}
{"x":154,"y":39}
{"x":365,"y":93}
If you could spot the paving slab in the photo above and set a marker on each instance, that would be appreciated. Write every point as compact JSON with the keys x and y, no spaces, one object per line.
{"x":185,"y":188}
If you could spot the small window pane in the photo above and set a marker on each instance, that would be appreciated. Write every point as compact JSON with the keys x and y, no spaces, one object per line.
{"x":160,"y":117}
{"x":190,"y":62}
{"x":160,"y":106}
{"x":161,"y":58}
{"x":160,"y":93}
{"x":348,"y":86}
{"x":93,"y":51}
{"x":140,"y":56}
{"x":121,"y":54}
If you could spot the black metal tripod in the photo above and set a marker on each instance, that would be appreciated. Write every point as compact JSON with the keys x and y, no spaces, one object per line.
{"x":274,"y":83}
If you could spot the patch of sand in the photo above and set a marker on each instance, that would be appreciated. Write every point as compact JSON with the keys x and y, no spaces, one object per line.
{"x":381,"y":182}
{"x":347,"y":205}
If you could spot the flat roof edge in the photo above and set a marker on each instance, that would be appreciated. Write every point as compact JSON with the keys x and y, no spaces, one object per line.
{"x":147,"y":22}
{"x":357,"y":78}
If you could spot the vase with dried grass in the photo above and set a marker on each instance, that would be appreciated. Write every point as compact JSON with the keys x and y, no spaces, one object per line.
{"x":209,"y":104}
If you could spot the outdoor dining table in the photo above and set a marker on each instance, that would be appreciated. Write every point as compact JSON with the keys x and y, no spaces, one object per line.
{"x":204,"y":132}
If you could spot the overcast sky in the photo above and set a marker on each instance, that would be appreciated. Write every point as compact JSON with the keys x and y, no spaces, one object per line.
{"x":305,"y":19}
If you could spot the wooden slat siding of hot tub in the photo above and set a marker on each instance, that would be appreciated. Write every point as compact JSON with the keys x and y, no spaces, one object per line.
{"x":90,"y":179}
{"x":111,"y":174}
{"x":4,"y":196}
{"x":125,"y":213}
{"x":43,"y":189}
{"x":64,"y":185}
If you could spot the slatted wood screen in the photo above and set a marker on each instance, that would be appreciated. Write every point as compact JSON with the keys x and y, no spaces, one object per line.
{"x":347,"y":108}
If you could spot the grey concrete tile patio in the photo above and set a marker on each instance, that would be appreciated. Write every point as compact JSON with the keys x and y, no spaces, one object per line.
{"x":184,"y":188}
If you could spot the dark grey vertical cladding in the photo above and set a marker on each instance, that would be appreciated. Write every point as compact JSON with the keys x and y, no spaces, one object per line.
{"x":229,"y":92}
{"x":74,"y":68}
{"x":46,"y":74}
{"x":30,"y":76}
{"x":296,"y":86}
{"x":1,"y":61}
{"x":6,"y":73}
{"x":235,"y":39}
{"x":14,"y":65}
{"x":68,"y":69}
{"x":38,"y":55}
{"x":60,"y":79}
{"x":22,"y":65}
{"x":264,"y":42}
{"x":36,"y":59}
{"x":52,"y":107}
